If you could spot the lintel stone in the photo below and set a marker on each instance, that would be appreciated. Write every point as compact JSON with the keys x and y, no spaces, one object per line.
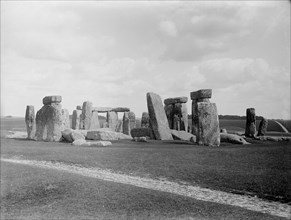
{"x":201,"y":94}
{"x":52,"y":99}
{"x":175,"y":100}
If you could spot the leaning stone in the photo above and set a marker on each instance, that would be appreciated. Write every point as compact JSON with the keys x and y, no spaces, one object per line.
{"x":171,"y":101}
{"x":232,"y":138}
{"x":49,"y":123}
{"x":140,"y":139}
{"x":208,"y":124}
{"x":52,"y":99}
{"x":201,"y":94}
{"x":112,"y":120}
{"x":30,"y":121}
{"x":158,"y":119}
{"x":126,"y":123}
{"x":142,"y":132}
{"x":79,"y":142}
{"x":66,"y":118}
{"x":263,"y":127}
{"x":102,"y":134}
{"x":183,"y":135}
{"x":76,"y":117}
{"x":86,"y":115}
{"x":145,"y":120}
{"x":250,"y":130}
{"x":94,"y":121}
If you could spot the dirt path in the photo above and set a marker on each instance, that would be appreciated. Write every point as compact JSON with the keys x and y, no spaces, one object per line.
{"x":195,"y":192}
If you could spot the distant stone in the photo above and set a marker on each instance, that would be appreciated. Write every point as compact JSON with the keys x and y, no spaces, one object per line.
{"x":79,"y":107}
{"x":102,"y":134}
{"x":132,"y":121}
{"x":142,"y":132}
{"x":263,"y":127}
{"x":250,"y":130}
{"x":232,"y":138}
{"x":49,"y":123}
{"x":79,"y":142}
{"x":201,"y":94}
{"x":86,"y":115}
{"x":94,"y":121}
{"x":126,"y":124}
{"x":52,"y":99}
{"x":184,"y":119}
{"x":76,"y":117}
{"x":109,"y":109}
{"x":112,"y":120}
{"x":170,"y":101}
{"x":66,"y":119}
{"x":121,"y":109}
{"x":119,"y":127}
{"x":208,"y":124}
{"x":30,"y":121}
{"x":183,"y":135}
{"x":71,"y":135}
{"x":145,"y":120}
{"x":140,"y":139}
{"x":158,"y":119}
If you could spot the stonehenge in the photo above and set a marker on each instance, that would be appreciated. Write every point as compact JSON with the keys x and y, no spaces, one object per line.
{"x":30,"y":121}
{"x":250,"y":130}
{"x":205,"y":123}
{"x":263,"y":127}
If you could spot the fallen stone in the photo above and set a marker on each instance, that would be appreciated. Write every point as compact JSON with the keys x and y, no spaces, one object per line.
{"x":158,"y":119}
{"x":145,"y":120}
{"x":270,"y":138}
{"x":52,"y":99}
{"x":86,"y":115}
{"x":232,"y":138}
{"x":175,"y":100}
{"x":30,"y":121}
{"x":140,"y":139}
{"x":79,"y":142}
{"x":183,"y":135}
{"x":105,"y":135}
{"x":71,"y":135}
{"x":142,"y":132}
{"x":263,"y":127}
{"x":96,"y":144}
{"x":201,"y":94}
{"x":17,"y":134}
{"x":76,"y":117}
{"x":250,"y":130}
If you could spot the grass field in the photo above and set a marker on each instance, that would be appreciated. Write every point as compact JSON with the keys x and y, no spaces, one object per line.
{"x":262,"y":170}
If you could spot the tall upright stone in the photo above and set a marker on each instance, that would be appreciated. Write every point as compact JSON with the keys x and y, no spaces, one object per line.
{"x":158,"y":118}
{"x":145,"y":120}
{"x":184,"y":119}
{"x":66,"y":119}
{"x":94,"y":121}
{"x":30,"y":121}
{"x":250,"y":130}
{"x":76,"y":119}
{"x":86,"y":115}
{"x":132,"y":121}
{"x":126,"y":123}
{"x":263,"y":127}
{"x":112,"y":120}
{"x":169,"y":110}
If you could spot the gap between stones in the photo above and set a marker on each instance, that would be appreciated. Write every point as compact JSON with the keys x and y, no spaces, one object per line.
{"x":194,"y":192}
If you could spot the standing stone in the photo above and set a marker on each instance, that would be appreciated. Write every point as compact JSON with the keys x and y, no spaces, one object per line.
{"x":76,"y":119}
{"x":145,"y":120}
{"x":132,"y":121}
{"x":94,"y":121}
{"x":66,"y":119}
{"x":119,"y":126}
{"x":208,"y":125}
{"x":250,"y":122}
{"x":195,"y":118}
{"x":30,"y":121}
{"x":263,"y":127}
{"x":112,"y":120}
{"x":126,"y":123}
{"x":49,"y":123}
{"x":184,"y":119}
{"x":86,"y":115}
{"x":158,"y":118}
{"x":177,"y":123}
{"x":169,"y":110}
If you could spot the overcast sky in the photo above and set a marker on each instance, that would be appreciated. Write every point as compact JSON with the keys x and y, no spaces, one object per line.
{"x":113,"y":53}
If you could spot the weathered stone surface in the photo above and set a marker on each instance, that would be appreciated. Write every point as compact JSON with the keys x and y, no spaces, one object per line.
{"x":169,"y":110}
{"x":183,"y":135}
{"x":112,"y":120}
{"x":86,"y":115}
{"x":17,"y":134}
{"x":142,"y":132}
{"x":121,"y":109}
{"x":66,"y":119}
{"x":119,"y":127}
{"x":132,"y":121}
{"x":207,"y":132}
{"x":94,"y":121}
{"x":145,"y":120}
{"x":158,"y":119}
{"x":71,"y":135}
{"x":177,"y":123}
{"x":105,"y":125}
{"x":201,"y":94}
{"x":30,"y":121}
{"x":102,"y":134}
{"x":223,"y":130}
{"x":79,"y":142}
{"x":250,"y":130}
{"x":140,"y":139}
{"x":97,"y":144}
{"x":79,"y":107}
{"x":184,"y":119}
{"x":110,"y":109}
{"x":232,"y":138}
{"x":76,"y":118}
{"x":49,"y":123}
{"x":126,"y":123}
{"x":263,"y":127}
{"x":175,"y":100}
{"x":52,"y":99}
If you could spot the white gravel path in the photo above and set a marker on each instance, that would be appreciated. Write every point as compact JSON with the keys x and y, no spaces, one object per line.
{"x":195,"y":192}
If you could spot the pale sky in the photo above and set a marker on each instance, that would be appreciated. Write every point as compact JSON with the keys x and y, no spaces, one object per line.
{"x":113,"y":53}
